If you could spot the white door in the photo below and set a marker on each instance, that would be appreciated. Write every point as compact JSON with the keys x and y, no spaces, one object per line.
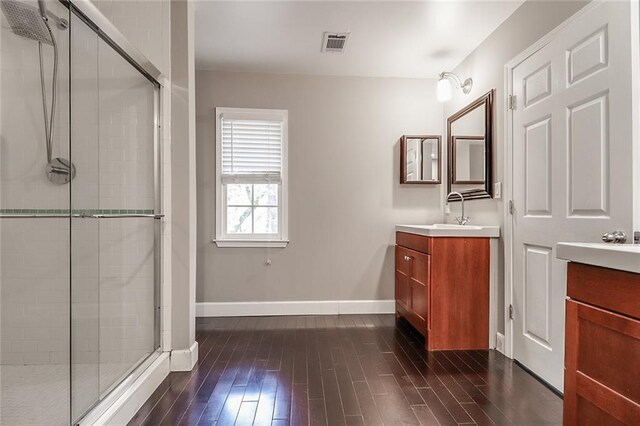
{"x":572,"y":169}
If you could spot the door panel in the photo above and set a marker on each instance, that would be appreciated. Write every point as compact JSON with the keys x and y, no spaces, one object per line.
{"x":588,"y":56}
{"x":402,"y":289}
{"x":588,"y":152}
{"x":412,"y":277}
{"x":537,"y":167}
{"x":537,"y":86}
{"x":572,"y":169}
{"x":419,"y":299}
{"x":537,"y":291}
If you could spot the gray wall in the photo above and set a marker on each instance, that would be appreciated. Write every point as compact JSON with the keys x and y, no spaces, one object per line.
{"x":344,"y":195}
{"x":485,"y":65}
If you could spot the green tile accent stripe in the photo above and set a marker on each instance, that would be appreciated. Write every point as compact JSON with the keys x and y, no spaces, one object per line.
{"x":34,"y":211}
{"x":78,"y":211}
{"x":113,"y":211}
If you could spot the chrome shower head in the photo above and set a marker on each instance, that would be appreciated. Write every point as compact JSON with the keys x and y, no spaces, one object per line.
{"x":26,"y":21}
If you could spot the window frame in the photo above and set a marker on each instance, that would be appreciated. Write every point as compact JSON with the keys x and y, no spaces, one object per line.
{"x":222,"y":238}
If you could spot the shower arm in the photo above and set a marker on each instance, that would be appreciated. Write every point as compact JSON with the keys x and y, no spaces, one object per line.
{"x":43,"y":10}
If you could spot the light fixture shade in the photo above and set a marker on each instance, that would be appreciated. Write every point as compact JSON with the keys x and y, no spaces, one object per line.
{"x":443,"y":90}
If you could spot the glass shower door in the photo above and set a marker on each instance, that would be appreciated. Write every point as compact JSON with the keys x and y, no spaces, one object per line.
{"x":127,"y":163}
{"x":113,"y":232}
{"x":34,"y":218}
{"x":85,"y":233}
{"x":79,"y":239}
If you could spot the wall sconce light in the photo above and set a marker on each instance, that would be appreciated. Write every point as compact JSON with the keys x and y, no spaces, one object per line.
{"x":443,"y":90}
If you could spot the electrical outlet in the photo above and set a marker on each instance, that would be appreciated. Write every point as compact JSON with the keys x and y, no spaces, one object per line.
{"x":447,"y":208}
{"x":497,"y":190}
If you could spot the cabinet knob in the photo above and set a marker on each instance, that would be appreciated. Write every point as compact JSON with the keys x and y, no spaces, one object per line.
{"x":407,"y":258}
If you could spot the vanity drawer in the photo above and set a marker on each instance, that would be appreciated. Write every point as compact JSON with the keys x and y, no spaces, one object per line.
{"x":606,"y":288}
{"x":413,"y":264}
{"x":415,"y":242}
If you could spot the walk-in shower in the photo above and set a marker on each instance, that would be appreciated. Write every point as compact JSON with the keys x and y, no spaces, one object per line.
{"x":79,"y":257}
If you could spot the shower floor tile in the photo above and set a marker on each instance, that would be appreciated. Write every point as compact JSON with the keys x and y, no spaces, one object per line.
{"x":34,"y":394}
{"x":40,"y":394}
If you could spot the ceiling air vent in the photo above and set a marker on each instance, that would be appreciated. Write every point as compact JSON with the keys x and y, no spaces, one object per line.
{"x":334,"y":42}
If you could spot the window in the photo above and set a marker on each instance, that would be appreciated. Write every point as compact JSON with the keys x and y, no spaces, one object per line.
{"x":251,"y":177}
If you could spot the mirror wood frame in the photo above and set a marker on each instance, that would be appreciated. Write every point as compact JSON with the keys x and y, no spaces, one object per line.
{"x":487,"y":191}
{"x":403,"y":160}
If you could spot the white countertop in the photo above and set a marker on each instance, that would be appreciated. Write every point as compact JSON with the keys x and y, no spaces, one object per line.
{"x":449,"y":230}
{"x":625,"y":257}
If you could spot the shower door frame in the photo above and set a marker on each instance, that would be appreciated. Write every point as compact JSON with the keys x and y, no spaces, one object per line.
{"x":105,"y":30}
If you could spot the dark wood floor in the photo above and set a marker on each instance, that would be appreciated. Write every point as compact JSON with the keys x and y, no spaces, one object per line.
{"x":342,"y":370}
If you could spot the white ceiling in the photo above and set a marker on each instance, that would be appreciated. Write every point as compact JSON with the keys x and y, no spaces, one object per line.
{"x":388,"y":39}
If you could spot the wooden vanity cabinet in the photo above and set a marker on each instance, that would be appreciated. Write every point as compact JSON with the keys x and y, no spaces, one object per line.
{"x":442,"y":289}
{"x":602,"y":347}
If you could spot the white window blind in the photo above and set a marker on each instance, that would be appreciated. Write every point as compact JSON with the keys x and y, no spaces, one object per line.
{"x":251,"y":149}
{"x":251,"y":177}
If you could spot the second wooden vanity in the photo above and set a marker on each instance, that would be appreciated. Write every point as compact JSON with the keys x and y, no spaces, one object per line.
{"x":442,"y":289}
{"x":602,"y":338}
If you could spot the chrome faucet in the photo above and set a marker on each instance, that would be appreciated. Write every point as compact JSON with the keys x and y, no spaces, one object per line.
{"x":462,"y":219}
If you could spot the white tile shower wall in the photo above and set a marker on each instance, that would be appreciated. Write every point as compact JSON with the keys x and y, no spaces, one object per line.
{"x":126,"y":246}
{"x":23,"y":160}
{"x":85,"y":305}
{"x":35,"y":291}
{"x":24,"y":186}
{"x":34,"y":253}
{"x":85,"y":233}
{"x":142,"y":22}
{"x":126,"y":296}
{"x":126,"y":106}
{"x":147,"y":25}
{"x":85,"y":116}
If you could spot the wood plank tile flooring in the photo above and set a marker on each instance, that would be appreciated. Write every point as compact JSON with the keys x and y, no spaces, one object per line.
{"x":342,"y":370}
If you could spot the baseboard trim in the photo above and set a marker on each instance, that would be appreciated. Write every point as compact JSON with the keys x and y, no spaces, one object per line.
{"x":121,"y":410}
{"x":184,"y":359}
{"x":500,"y":343}
{"x":324,"y":307}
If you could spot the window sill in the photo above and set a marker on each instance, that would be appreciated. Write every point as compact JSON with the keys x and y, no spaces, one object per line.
{"x":252,"y":243}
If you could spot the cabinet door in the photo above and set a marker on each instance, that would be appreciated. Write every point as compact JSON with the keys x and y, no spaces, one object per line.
{"x":419,"y":285}
{"x":402,"y":290}
{"x":412,"y":291}
{"x":601,"y":367}
{"x":403,"y":270}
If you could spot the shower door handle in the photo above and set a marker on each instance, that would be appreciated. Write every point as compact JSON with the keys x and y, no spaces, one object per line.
{"x":156,"y":216}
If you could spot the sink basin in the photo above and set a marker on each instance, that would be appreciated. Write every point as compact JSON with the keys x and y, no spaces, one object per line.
{"x":453,"y":226}
{"x":451,"y":230}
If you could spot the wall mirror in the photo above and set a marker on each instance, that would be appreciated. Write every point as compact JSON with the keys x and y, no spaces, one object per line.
{"x":470,"y":143}
{"x":420,"y":159}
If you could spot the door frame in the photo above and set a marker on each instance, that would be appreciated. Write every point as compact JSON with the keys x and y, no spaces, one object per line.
{"x":508,"y":152}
